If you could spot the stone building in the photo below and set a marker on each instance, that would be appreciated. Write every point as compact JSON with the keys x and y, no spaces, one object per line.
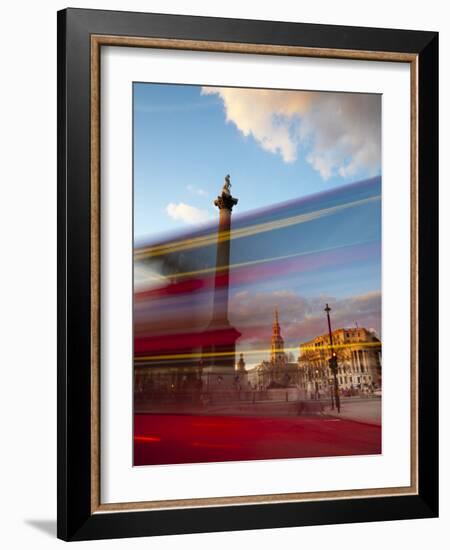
{"x":359,"y":362}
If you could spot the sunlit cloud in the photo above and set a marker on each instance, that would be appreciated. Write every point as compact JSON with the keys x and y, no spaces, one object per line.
{"x":187,"y":213}
{"x":337,"y":133}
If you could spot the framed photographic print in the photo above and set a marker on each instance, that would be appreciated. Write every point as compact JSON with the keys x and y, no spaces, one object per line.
{"x":247,"y":274}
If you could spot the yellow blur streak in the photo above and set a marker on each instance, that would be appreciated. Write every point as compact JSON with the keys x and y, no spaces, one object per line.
{"x":255,"y":262}
{"x":212,"y":238}
{"x":201,"y":355}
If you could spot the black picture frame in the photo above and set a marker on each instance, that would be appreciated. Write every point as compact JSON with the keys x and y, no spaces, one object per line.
{"x":76,"y":521}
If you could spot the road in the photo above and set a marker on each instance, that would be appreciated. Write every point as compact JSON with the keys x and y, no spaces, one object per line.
{"x":181,"y":439}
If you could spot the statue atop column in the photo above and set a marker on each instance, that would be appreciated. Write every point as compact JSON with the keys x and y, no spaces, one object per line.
{"x":226,"y":185}
{"x":225,"y":200}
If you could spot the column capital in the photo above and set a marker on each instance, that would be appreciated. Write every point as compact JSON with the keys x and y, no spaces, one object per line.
{"x":225,"y":201}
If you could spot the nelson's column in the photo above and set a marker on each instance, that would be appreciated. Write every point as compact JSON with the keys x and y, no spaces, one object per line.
{"x":220,"y":349}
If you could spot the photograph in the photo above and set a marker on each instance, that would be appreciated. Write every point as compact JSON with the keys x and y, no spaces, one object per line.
{"x":257,"y":298}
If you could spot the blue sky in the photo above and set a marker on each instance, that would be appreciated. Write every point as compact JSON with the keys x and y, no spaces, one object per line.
{"x":184,"y":146}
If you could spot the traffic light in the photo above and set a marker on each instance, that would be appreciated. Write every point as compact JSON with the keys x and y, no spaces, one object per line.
{"x":333,"y":362}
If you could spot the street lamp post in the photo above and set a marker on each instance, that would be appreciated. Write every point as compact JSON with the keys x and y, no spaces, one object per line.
{"x":333,"y":361}
{"x":332,"y":394}
{"x":316,"y":385}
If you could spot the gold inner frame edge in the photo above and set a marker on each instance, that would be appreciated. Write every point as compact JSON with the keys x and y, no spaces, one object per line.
{"x":97,"y":41}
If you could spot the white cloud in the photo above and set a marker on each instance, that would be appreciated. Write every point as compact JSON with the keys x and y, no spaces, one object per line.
{"x":344,"y":134}
{"x":340,"y":133}
{"x":187,"y":213}
{"x":265,"y":114}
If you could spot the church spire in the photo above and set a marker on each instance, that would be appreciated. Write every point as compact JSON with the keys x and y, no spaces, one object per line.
{"x":276,"y":330}
{"x":277,"y":344}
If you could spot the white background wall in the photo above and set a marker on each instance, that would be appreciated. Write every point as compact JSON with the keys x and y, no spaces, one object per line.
{"x":28,"y":270}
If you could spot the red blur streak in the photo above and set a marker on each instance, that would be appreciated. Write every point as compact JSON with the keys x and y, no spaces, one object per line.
{"x":253,"y":273}
{"x":190,"y":439}
{"x":178,"y":343}
{"x":301,"y":264}
{"x":182,"y":287}
{"x":214,"y":445}
{"x":146,"y":438}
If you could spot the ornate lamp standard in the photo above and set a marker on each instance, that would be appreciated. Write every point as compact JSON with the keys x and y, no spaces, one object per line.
{"x":331,"y":385}
{"x":316,"y":384}
{"x":333,"y":362}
